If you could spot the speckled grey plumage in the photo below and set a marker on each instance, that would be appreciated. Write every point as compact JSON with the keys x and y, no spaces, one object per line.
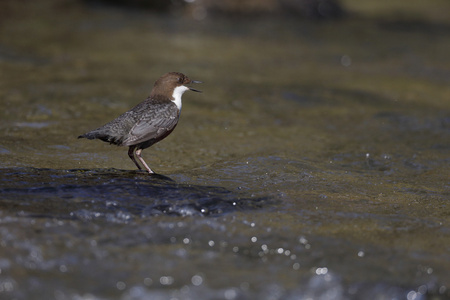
{"x":145,"y":124}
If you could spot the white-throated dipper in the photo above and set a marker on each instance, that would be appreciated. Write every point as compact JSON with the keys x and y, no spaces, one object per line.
{"x":148,"y":122}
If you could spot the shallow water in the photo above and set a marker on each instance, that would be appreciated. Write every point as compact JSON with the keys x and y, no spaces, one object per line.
{"x":314,"y":165}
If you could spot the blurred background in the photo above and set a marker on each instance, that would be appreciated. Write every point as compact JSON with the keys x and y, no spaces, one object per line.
{"x":314,"y":165}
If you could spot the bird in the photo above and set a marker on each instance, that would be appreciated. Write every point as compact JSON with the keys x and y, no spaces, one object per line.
{"x":148,"y":122}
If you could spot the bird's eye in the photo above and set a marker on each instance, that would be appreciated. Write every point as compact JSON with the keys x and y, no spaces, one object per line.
{"x":180,"y":80}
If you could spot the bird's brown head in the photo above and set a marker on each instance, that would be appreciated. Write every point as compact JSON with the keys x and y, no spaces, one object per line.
{"x":167,"y":83}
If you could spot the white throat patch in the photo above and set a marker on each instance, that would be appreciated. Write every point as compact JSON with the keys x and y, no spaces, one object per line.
{"x":177,"y":93}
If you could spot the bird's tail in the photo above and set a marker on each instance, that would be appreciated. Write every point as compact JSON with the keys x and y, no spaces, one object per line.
{"x":98,"y":134}
{"x":91,"y":135}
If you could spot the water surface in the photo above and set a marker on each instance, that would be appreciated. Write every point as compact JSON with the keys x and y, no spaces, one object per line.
{"x":314,"y":165}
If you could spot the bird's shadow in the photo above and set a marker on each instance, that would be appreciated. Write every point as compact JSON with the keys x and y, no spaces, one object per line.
{"x":111,"y":194}
{"x":154,"y":176}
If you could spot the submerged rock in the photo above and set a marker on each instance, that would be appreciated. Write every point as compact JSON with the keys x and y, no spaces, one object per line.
{"x":299,"y":8}
{"x":200,"y":9}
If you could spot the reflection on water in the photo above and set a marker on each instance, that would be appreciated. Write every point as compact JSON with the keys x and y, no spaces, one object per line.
{"x":313,"y":166}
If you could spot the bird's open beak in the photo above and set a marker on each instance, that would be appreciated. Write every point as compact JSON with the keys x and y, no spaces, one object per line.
{"x":192,"y":89}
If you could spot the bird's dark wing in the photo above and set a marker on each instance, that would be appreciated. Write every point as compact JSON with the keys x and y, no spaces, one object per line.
{"x":155,"y":124}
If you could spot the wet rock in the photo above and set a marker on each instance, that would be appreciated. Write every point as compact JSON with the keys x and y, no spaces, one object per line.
{"x":116,"y":196}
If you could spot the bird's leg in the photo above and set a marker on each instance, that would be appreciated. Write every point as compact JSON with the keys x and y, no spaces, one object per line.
{"x":131,"y":155}
{"x":138,"y":154}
